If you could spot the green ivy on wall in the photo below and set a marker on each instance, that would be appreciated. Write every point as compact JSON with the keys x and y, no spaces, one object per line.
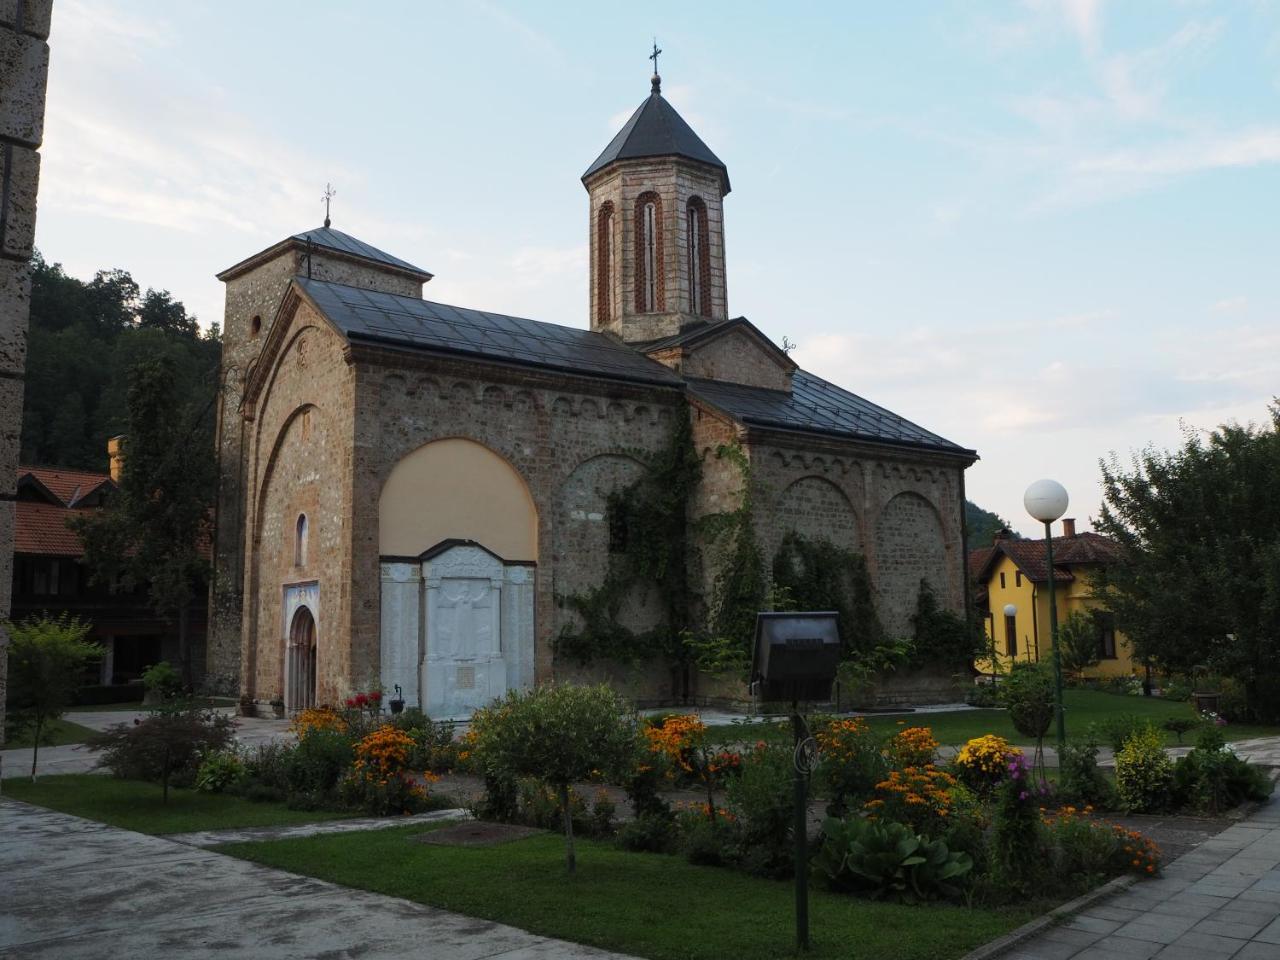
{"x":818,"y":575}
{"x":652,"y":516}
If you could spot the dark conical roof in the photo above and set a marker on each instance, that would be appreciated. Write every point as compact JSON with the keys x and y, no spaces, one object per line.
{"x":656,"y":130}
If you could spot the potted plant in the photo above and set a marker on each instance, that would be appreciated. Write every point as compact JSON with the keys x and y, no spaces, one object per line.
{"x":248,"y":708}
{"x":396,"y":703}
{"x":277,"y":707}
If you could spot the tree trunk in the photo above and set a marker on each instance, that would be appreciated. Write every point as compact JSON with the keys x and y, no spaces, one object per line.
{"x":184,"y":651}
{"x":570,"y":856}
{"x":35,"y":745}
{"x":164,"y":779}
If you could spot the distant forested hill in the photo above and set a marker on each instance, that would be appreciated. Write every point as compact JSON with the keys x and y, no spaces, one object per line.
{"x":83,"y":339}
{"x":982,"y":526}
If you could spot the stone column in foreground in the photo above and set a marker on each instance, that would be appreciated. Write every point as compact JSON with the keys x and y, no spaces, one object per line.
{"x":24,"y":68}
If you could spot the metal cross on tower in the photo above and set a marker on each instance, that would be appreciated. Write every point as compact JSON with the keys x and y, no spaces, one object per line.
{"x":329,"y":194}
{"x":657,"y":80}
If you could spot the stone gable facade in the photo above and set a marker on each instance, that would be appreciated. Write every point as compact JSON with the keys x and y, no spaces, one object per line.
{"x":404,"y":505}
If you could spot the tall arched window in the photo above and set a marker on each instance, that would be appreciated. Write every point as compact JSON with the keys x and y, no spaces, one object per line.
{"x":300,"y":541}
{"x":649,"y":273}
{"x":604,"y":263}
{"x":699,"y":258}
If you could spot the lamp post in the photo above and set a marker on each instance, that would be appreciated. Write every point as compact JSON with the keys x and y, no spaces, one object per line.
{"x":1046,"y":501}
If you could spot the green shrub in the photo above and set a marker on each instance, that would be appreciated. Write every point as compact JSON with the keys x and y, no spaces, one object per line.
{"x":163,"y":681}
{"x":603,"y":811}
{"x":888,"y":861}
{"x":267,"y":772}
{"x":1084,"y":849}
{"x":220,"y":772}
{"x":706,"y":842}
{"x":852,"y":762}
{"x":1114,"y":731}
{"x":1144,"y":772}
{"x":434,"y":746}
{"x":316,"y":766}
{"x":1176,"y":688}
{"x":648,"y":833}
{"x":1018,"y":842}
{"x":1027,"y":693}
{"x":1079,"y":779}
{"x":762,"y":799}
{"x":983,"y":695}
{"x":1211,"y":778}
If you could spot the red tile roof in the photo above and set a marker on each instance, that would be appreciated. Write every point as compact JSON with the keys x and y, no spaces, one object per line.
{"x":1031,"y":557}
{"x":66,"y":484}
{"x":41,"y":528}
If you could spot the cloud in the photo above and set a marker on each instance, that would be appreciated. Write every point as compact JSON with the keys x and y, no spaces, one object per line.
{"x":1245,"y":149}
{"x":1230,"y":305}
{"x":1084,"y":18}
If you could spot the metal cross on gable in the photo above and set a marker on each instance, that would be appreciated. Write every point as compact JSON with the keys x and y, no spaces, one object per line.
{"x":329,"y":194}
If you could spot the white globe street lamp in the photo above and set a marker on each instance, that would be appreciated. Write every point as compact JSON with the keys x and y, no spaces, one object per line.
{"x":1046,"y":501}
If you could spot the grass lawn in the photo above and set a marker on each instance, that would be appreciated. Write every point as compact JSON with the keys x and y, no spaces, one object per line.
{"x":1083,"y":707}
{"x":56,"y":734}
{"x":649,"y":905}
{"x":135,"y":805}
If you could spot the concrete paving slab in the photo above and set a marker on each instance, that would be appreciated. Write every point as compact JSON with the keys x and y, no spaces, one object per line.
{"x":126,"y":894}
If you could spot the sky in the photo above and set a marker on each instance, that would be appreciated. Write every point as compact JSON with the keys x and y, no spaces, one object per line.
{"x":1044,"y":229}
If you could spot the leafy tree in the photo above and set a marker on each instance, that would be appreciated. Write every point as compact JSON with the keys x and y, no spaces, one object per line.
{"x":83,"y":339}
{"x":153,"y":530}
{"x":47,"y":657}
{"x":558,"y":734}
{"x":1078,"y":642}
{"x":981,"y":526}
{"x":1201,"y":582}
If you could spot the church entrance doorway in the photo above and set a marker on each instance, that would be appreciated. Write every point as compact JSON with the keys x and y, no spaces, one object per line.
{"x":300,"y":662}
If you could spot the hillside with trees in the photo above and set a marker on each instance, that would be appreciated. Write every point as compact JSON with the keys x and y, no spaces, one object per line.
{"x":982,"y":526}
{"x":84,"y":339}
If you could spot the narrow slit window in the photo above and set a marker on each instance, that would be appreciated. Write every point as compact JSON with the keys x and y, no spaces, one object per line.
{"x":650,"y":257}
{"x":300,"y":542}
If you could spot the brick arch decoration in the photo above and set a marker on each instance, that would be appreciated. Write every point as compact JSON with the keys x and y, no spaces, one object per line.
{"x":697,"y":208}
{"x":604,"y":264}
{"x":817,"y":509}
{"x":660,"y":294}
{"x":910,"y":547}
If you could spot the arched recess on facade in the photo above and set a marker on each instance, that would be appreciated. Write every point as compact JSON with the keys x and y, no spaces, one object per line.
{"x":457,"y":489}
{"x":582,"y":522}
{"x":604,"y":262}
{"x":272,"y":533}
{"x":698,"y":257}
{"x":458,"y":542}
{"x":910,"y":547}
{"x":650,"y":265}
{"x":817,"y":509}
{"x":301,"y":659}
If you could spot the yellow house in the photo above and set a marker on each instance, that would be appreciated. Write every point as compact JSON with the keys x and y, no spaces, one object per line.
{"x":1011,"y":578}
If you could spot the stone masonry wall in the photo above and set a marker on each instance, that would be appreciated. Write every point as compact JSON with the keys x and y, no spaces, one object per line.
{"x":569,"y":438}
{"x":902,"y":510}
{"x":299,"y":462}
{"x":736,"y":358}
{"x":24,"y":68}
{"x":252,"y":300}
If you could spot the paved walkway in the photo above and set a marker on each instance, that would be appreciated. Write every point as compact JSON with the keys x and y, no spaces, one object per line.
{"x":72,"y":889}
{"x":1221,"y":901}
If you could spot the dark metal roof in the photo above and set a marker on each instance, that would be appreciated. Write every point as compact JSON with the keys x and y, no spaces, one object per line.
{"x":345,"y":243}
{"x":816,"y":406}
{"x":656,"y":130}
{"x":372,"y":316}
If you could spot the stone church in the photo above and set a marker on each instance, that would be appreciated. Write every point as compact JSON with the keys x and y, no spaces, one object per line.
{"x":406,"y":487}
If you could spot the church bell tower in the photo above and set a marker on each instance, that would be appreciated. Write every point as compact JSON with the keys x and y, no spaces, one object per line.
{"x":657,"y":227}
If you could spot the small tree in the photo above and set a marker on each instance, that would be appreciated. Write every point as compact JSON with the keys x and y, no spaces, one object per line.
{"x":172,"y":740}
{"x":558,"y":734}
{"x":47,"y":657}
{"x":1027,"y":693}
{"x":1078,"y":642}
